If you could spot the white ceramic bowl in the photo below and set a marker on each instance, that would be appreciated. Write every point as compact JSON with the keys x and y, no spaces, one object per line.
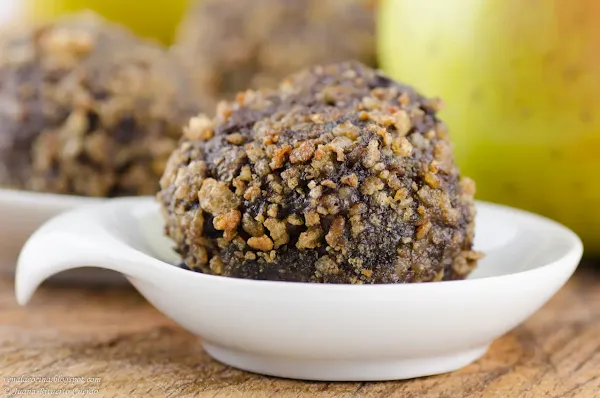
{"x":319,"y":331}
{"x":22,"y":212}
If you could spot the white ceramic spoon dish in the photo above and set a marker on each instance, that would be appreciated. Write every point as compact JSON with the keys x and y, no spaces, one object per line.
{"x":319,"y":331}
{"x":22,"y":212}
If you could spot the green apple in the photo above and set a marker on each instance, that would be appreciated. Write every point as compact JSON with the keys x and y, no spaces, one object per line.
{"x":156,"y":19}
{"x":521,"y":83}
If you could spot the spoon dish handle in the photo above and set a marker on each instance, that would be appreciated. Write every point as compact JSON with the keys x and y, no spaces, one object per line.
{"x":98,"y":235}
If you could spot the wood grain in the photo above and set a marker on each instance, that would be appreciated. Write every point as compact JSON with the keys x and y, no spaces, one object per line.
{"x":113,"y":334}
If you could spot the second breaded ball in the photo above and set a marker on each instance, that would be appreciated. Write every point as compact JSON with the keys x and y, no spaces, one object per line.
{"x":87,"y":108}
{"x":232,"y":45}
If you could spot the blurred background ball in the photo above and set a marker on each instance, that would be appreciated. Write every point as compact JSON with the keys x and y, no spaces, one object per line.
{"x":232,"y":45}
{"x":87,"y":108}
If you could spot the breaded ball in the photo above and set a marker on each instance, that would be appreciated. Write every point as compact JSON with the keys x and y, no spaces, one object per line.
{"x":232,"y":45}
{"x":341,"y":175}
{"x":87,"y":108}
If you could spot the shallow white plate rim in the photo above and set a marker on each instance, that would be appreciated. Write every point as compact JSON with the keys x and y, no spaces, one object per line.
{"x":575,"y":248}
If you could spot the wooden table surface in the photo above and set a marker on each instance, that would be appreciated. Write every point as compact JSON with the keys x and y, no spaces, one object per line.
{"x":115,"y":337}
